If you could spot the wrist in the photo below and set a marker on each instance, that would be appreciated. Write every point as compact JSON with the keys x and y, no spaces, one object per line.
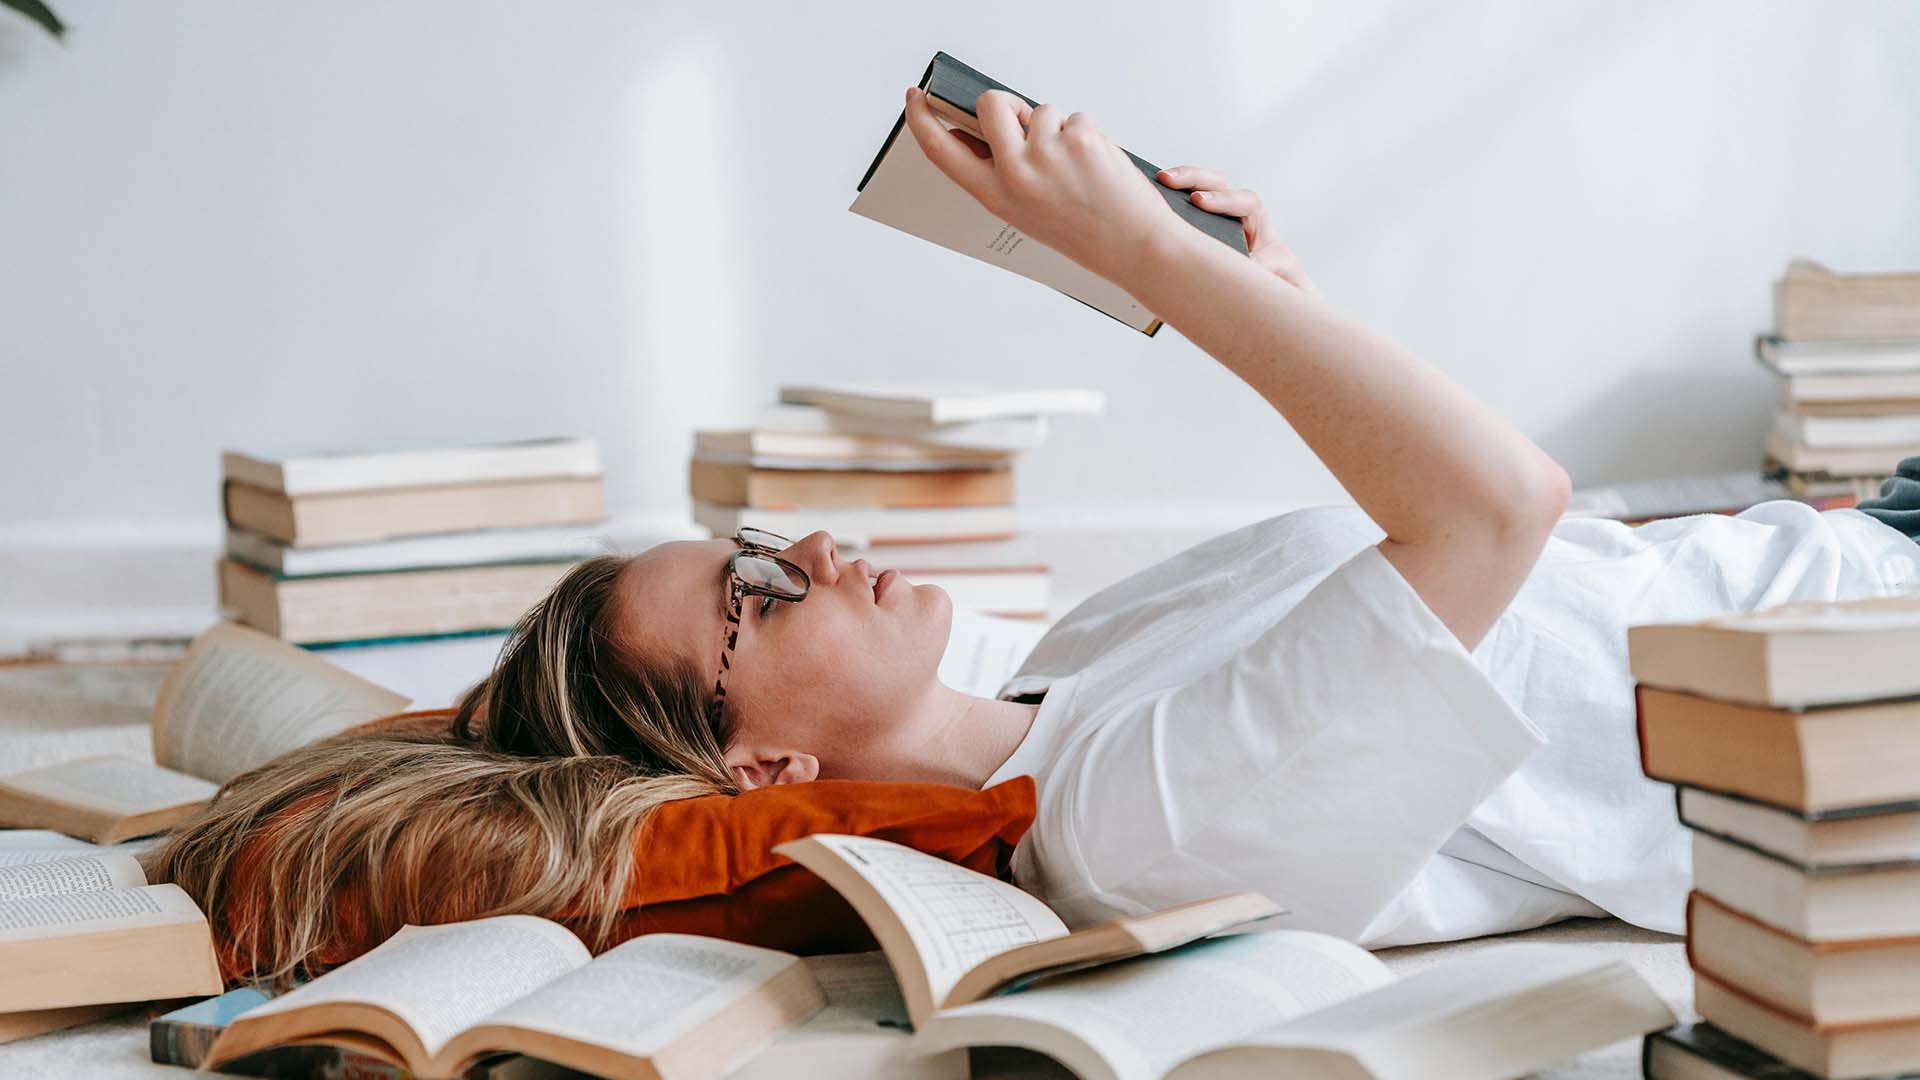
{"x":1158,"y":255}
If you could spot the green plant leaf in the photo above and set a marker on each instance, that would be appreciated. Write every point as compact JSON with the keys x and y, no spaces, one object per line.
{"x":38,"y":12}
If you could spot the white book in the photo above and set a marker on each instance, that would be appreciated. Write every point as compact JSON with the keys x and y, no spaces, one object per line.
{"x":984,"y":651}
{"x":480,"y":547}
{"x":1849,"y":432}
{"x":945,"y":403}
{"x":313,"y":472}
{"x":1831,"y":357}
{"x":864,"y":526}
{"x":1005,"y":434}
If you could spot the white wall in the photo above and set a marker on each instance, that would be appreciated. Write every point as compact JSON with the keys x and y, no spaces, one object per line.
{"x":303,"y":223}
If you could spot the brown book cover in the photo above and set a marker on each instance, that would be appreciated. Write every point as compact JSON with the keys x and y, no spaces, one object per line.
{"x":741,"y":485}
{"x":1811,"y":302}
{"x":360,"y":516}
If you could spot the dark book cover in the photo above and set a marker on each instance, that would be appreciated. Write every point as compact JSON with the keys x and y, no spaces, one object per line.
{"x":1723,"y":1051}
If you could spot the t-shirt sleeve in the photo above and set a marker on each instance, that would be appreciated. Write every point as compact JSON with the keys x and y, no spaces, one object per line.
{"x":1324,"y":764}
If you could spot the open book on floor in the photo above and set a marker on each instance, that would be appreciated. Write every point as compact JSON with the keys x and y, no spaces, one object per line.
{"x":903,"y":189}
{"x":440,"y":999}
{"x":236,"y":700}
{"x":87,"y":930}
{"x":982,"y":963}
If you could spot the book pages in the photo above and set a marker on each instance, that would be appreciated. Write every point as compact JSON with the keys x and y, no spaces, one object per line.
{"x":76,"y":873}
{"x":954,"y":917}
{"x":240,"y":698}
{"x":983,"y":652}
{"x":1139,"y":1017}
{"x":94,"y":911}
{"x":442,"y":980}
{"x":112,"y":784}
{"x":640,"y":996}
{"x":38,"y":845}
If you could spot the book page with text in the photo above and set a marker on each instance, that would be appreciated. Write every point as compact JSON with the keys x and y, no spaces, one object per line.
{"x":1140,"y":1016}
{"x":954,"y":917}
{"x":641,"y":995}
{"x":111,"y":784}
{"x":240,"y":698}
{"x":95,"y":910}
{"x":39,"y":845}
{"x":443,"y":979}
{"x":76,"y":873}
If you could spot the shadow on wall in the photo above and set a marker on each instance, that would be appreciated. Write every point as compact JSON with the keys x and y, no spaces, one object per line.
{"x":1664,"y":423}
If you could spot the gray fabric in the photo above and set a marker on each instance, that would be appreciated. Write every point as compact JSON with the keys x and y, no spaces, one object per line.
{"x":1899,"y":501}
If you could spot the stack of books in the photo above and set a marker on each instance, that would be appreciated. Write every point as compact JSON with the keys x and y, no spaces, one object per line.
{"x":1793,"y":735}
{"x":1845,"y":350}
{"x":384,"y":545}
{"x":919,"y":480}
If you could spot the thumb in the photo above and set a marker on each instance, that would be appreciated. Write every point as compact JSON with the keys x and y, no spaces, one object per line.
{"x":942,"y":147}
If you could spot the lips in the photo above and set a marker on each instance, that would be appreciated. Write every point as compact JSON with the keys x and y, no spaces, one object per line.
{"x":881,"y":583}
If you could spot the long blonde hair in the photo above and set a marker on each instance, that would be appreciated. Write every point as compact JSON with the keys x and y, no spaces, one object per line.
{"x":528,"y":802}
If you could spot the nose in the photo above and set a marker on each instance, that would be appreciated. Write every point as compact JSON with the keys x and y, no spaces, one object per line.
{"x":815,"y":554}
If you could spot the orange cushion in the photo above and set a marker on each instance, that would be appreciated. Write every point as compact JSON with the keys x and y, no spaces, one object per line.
{"x":706,"y":866}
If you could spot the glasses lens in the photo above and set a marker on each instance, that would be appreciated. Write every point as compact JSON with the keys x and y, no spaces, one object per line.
{"x":767,"y":574}
{"x":765,"y":539}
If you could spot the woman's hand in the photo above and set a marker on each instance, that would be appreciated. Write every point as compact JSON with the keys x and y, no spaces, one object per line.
{"x":1211,"y":191}
{"x":1059,"y":181}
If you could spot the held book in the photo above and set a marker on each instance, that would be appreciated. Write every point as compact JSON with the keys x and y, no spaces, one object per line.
{"x":307,"y":473}
{"x":88,"y":930}
{"x":236,"y":700}
{"x":439,"y":999}
{"x":1886,"y":833}
{"x":1817,"y":759}
{"x":906,"y":191}
{"x":1809,"y":653}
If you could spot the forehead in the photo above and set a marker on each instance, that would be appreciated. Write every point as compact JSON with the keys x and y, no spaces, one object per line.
{"x":672,"y":599}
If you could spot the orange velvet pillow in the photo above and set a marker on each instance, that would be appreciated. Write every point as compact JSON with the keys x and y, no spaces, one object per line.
{"x":706,"y":866}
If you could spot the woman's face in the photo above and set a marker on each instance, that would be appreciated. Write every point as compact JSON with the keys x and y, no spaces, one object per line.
{"x":812,"y":687}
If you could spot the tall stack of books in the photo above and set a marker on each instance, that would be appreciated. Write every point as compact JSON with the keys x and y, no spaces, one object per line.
{"x":919,"y":480}
{"x":1793,"y":735}
{"x":1845,"y":350}
{"x":382,"y":545}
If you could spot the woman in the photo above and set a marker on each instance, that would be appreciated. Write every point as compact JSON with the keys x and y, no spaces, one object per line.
{"x":1409,"y":720}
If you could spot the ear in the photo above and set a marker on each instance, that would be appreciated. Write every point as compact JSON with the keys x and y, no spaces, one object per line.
{"x":755,"y":769}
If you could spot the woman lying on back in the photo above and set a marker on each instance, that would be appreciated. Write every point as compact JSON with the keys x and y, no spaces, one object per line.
{"x":1406,"y":720}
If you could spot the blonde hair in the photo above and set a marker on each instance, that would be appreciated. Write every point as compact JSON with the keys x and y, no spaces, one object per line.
{"x":529,"y":802}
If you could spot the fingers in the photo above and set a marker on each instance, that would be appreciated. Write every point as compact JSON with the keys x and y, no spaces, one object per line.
{"x":1045,"y":122}
{"x":948,"y":154}
{"x":1188,"y":177}
{"x":1000,"y":122}
{"x":1235,"y":203}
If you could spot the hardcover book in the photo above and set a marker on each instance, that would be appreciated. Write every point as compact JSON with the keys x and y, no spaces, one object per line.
{"x":904,"y":190}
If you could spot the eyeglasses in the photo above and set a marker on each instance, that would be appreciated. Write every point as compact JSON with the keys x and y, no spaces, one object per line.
{"x":755,"y":570}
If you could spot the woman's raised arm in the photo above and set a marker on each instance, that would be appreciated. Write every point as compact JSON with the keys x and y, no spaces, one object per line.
{"x":1467,"y":502}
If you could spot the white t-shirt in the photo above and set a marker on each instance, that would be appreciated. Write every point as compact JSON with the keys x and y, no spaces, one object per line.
{"x":1277,"y":709}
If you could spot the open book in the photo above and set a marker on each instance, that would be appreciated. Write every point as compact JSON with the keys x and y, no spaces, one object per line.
{"x":236,"y":700}
{"x":86,"y":929}
{"x":981,"y":963}
{"x":438,"y":999}
{"x":954,"y":935}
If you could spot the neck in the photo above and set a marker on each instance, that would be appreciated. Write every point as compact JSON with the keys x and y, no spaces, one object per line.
{"x":961,"y":739}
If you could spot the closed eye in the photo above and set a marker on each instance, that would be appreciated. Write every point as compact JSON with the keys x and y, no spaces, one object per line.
{"x":766,"y":606}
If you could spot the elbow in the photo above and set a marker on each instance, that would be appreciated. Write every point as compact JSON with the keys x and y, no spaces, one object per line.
{"x":1537,"y":501}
